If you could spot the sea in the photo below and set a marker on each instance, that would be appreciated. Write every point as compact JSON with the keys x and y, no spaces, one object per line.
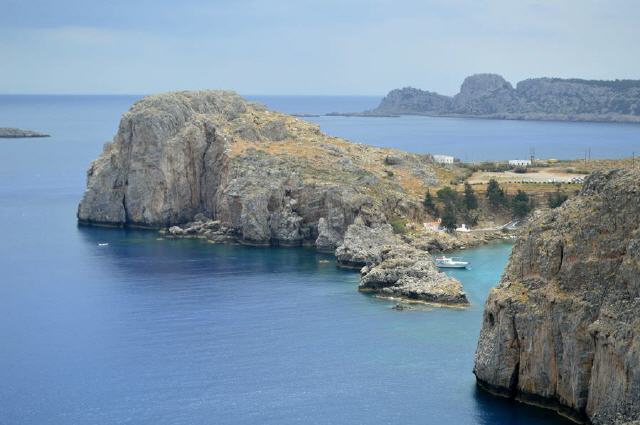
{"x":112,"y":326}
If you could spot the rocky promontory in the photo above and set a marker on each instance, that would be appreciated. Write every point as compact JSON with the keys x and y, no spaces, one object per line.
{"x":562,"y":328}
{"x":491,"y":96}
{"x":210,"y":164}
{"x":406,"y":272}
{"x":16,"y":133}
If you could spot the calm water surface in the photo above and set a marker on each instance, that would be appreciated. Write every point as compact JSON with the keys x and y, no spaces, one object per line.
{"x":148,"y":331}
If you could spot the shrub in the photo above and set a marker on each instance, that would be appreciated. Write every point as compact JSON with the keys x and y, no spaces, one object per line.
{"x":557,"y":198}
{"x":447,"y":195}
{"x":399,"y":225}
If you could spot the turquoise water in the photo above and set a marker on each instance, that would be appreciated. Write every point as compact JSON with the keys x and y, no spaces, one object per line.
{"x":148,"y":331}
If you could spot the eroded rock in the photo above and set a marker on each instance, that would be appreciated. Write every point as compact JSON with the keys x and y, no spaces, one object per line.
{"x":562,"y":327}
{"x":403,"y":271}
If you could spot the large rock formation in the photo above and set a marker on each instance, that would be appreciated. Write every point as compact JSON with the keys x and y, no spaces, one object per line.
{"x":210,"y":165}
{"x":268,"y":177}
{"x":563,"y":326}
{"x":406,"y":272}
{"x":363,"y":245}
{"x":491,"y":96}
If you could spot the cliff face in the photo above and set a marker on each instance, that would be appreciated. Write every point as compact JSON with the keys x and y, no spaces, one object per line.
{"x":271,"y":178}
{"x":210,"y":165}
{"x":491,"y":96}
{"x":562,"y":328}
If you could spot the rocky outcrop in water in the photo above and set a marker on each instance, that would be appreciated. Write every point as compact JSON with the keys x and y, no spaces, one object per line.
{"x":405,"y":272}
{"x":562,"y":328}
{"x":491,"y":96}
{"x":363,"y":244}
{"x":16,"y":133}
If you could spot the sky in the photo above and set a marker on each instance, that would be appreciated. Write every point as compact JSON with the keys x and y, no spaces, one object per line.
{"x":297,"y":47}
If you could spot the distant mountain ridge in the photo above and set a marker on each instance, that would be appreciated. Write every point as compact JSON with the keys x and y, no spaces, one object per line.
{"x":491,"y":96}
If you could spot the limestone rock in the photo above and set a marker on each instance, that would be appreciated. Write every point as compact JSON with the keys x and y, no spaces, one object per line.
{"x":491,"y":96}
{"x":403,"y":271}
{"x":562,"y":327}
{"x":270,"y":178}
{"x":363,"y":244}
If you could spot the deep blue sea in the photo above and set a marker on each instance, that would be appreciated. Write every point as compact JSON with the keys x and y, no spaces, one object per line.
{"x":149,"y":331}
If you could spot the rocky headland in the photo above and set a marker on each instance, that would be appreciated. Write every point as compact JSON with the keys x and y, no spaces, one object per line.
{"x":211,"y":165}
{"x":562,"y":328}
{"x":16,"y":133}
{"x":491,"y":96}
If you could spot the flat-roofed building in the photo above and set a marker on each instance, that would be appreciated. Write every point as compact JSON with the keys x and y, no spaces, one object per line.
{"x":443,"y":159}
{"x":519,"y":162}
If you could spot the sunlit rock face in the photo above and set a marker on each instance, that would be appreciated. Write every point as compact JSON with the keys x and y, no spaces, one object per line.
{"x":268,"y":177}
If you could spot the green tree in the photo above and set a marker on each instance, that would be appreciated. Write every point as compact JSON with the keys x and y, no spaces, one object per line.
{"x":449,"y":217}
{"x":429,"y":205}
{"x":470,"y":198}
{"x":554,"y":200}
{"x":446,"y":195}
{"x":495,"y":194}
{"x":471,"y":217}
{"x":521,"y":204}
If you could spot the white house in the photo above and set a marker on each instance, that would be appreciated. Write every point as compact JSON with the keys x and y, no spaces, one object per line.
{"x":443,"y":159}
{"x":519,"y":162}
{"x":463,"y":228}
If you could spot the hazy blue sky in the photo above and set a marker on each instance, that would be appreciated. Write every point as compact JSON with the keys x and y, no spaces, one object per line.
{"x":308,"y":47}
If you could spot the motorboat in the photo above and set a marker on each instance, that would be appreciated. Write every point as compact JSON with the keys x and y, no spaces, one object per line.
{"x":451,"y":263}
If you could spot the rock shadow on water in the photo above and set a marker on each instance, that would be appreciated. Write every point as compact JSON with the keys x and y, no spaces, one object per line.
{"x":498,"y":410}
{"x":145,"y":254}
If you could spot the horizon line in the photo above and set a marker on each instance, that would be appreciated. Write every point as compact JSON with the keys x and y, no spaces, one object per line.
{"x":177,"y":91}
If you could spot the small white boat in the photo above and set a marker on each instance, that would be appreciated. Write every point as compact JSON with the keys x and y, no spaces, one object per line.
{"x":451,"y":262}
{"x":103,"y":244}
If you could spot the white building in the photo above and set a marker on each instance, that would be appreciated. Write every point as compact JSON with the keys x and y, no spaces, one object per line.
{"x":443,"y":159}
{"x":463,"y":228}
{"x":519,"y":162}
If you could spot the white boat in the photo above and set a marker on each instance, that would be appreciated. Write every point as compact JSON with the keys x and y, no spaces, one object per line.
{"x":451,"y":262}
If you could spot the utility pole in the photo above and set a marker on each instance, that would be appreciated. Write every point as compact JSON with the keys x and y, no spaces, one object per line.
{"x":585,"y":157}
{"x":532,"y":154}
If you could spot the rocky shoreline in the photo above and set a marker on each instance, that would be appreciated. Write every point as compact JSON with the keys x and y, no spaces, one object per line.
{"x":391,"y":266}
{"x":388,"y":265}
{"x":490,"y":96}
{"x":603,"y":118}
{"x":16,"y":133}
{"x":211,"y":165}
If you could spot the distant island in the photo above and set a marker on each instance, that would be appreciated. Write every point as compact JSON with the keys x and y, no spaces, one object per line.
{"x":15,"y":133}
{"x":491,"y":96}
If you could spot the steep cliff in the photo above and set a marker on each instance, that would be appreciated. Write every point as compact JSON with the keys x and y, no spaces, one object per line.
{"x":211,"y":165}
{"x":562,"y":328}
{"x":491,"y":96}
{"x":271,"y":178}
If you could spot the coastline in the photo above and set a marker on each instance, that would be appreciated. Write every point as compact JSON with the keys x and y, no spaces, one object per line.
{"x":536,"y":401}
{"x":628,"y":119}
